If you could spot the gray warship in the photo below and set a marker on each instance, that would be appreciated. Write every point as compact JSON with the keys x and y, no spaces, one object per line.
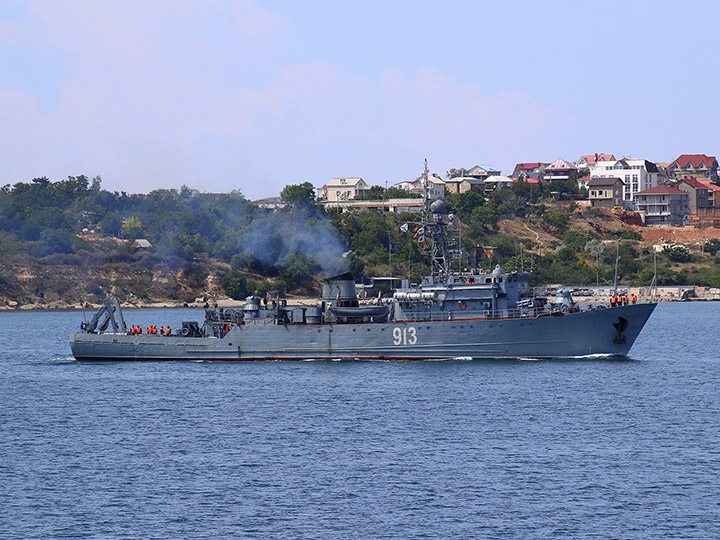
{"x":470,"y":315}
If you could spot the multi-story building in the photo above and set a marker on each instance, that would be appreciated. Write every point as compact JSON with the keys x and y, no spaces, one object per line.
{"x":559,"y":169}
{"x":482,"y":172}
{"x":698,"y":193}
{"x":529,"y":170}
{"x":713,"y":194}
{"x":663,"y":206}
{"x":436,"y":187}
{"x":605,"y":192}
{"x":698,"y":166}
{"x":710,"y":215}
{"x":461,"y":184}
{"x":636,"y":174}
{"x":588,"y":160}
{"x":344,"y":189}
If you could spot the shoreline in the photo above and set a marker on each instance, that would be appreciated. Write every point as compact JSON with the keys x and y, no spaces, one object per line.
{"x":235,"y":304}
{"x":225,"y":303}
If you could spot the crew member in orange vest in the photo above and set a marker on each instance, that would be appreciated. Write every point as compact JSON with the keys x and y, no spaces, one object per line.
{"x":613,"y":300}
{"x":633,"y":298}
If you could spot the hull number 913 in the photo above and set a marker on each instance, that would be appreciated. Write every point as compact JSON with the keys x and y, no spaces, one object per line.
{"x":404,"y":336}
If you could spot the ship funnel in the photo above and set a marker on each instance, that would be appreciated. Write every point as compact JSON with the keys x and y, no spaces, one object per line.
{"x":340,"y":287}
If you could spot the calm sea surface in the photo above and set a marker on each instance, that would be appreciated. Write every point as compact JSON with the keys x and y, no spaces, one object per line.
{"x":475,"y":449}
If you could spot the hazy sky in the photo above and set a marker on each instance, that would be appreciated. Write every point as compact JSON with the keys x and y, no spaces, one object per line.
{"x":255,"y":95}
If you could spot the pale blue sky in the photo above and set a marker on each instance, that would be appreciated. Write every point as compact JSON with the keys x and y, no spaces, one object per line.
{"x":254,"y":95}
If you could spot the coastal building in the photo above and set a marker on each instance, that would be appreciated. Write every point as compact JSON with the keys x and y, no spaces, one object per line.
{"x":275,"y":203}
{"x":497,"y":182}
{"x":461,"y":184}
{"x":388,"y":205}
{"x":583,"y":181}
{"x":709,"y":216}
{"x":482,"y":172}
{"x":141,"y":243}
{"x":436,"y":187}
{"x":345,"y":189}
{"x":698,"y":166}
{"x":663,"y":206}
{"x":559,"y":169}
{"x":588,"y":160}
{"x":697,"y":191}
{"x":636,"y":174}
{"x":529,"y":170}
{"x":713,"y":194}
{"x":605,"y":192}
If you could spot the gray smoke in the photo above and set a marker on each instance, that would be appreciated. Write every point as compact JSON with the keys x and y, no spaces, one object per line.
{"x":277,"y":239}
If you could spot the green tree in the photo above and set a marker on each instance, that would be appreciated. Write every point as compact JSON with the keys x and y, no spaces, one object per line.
{"x":465,"y":203}
{"x":374,"y":193}
{"x":576,"y":240}
{"x":299,"y":195}
{"x":456,"y":173}
{"x":557,"y":218}
{"x":679,"y":254}
{"x":235,"y":285}
{"x":111,"y":223}
{"x":485,"y":215}
{"x":132,"y":228}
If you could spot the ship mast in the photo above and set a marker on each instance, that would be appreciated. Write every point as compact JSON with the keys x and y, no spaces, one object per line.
{"x":434,"y":230}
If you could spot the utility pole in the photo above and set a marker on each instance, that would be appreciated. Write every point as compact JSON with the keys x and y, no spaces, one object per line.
{"x":617,"y":259}
{"x":389,"y":235}
{"x":653,"y":284}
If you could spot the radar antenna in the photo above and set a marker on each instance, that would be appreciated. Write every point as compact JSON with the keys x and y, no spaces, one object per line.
{"x":437,"y":235}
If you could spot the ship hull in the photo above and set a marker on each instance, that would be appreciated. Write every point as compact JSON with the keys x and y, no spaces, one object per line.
{"x":592,"y":332}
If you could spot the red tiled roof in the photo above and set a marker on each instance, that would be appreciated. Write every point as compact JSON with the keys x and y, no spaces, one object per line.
{"x":528,"y":166}
{"x":560,"y":165}
{"x":661,"y":190}
{"x":591,"y":159}
{"x":695,"y":160}
{"x":710,"y":185}
{"x":694,"y":183}
{"x":526,"y":179}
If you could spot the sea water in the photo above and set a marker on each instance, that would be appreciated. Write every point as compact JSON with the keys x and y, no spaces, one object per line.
{"x":600,"y":448}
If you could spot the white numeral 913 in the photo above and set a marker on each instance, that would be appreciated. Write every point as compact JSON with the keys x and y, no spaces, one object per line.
{"x":404,"y":336}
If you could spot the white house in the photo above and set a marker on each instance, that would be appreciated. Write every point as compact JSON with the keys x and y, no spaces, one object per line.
{"x":436,"y":187}
{"x":588,"y":160}
{"x":497,"y":182}
{"x":344,"y":189}
{"x":637,"y":174}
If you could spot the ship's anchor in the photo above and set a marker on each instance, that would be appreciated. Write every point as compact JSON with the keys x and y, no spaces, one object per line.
{"x":621,"y":325}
